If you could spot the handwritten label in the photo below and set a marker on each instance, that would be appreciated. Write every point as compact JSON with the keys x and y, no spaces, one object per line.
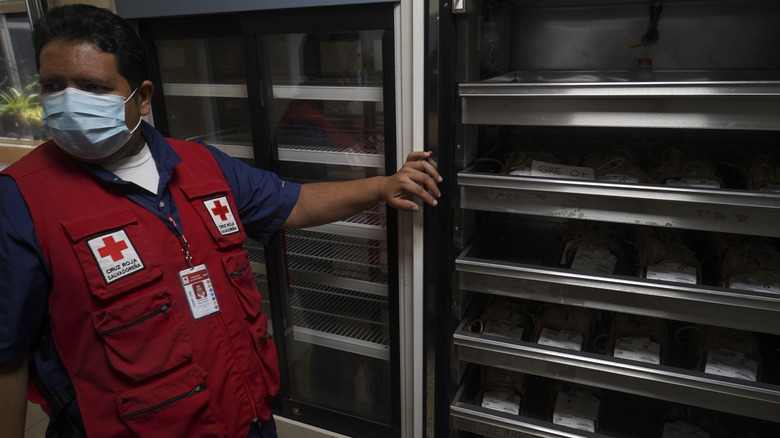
{"x":551,"y":170}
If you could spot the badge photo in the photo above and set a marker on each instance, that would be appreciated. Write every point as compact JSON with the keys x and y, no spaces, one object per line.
{"x":199,"y":291}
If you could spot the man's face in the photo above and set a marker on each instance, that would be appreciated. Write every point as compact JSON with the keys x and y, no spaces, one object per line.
{"x":84,"y":66}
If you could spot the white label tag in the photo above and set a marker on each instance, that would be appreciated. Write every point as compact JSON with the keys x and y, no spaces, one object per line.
{"x":594,"y":261}
{"x":753,"y":284}
{"x":638,"y":349}
{"x":579,"y":411}
{"x":551,"y":170}
{"x":220,"y":212}
{"x":523,"y":171}
{"x":199,"y":291}
{"x":771,"y":188}
{"x":505,"y":329}
{"x":728,"y":363}
{"x":613,"y":177}
{"x":693,"y":182}
{"x":115,"y":255}
{"x":672,"y":271}
{"x":501,"y":401}
{"x":681,"y":429}
{"x":562,"y":339}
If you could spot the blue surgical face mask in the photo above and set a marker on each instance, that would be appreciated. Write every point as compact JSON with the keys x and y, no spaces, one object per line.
{"x":86,"y":125}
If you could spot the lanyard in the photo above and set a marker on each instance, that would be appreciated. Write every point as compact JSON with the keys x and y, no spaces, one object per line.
{"x":185,"y":246}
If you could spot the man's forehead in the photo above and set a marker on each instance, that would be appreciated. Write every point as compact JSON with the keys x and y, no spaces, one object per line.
{"x":76,"y":52}
{"x":76,"y":60}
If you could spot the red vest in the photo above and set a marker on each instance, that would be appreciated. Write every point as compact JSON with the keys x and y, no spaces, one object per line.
{"x":141,"y":364}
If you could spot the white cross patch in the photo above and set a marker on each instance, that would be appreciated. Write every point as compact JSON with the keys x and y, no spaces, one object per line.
{"x":223,"y":218}
{"x":115,"y":255}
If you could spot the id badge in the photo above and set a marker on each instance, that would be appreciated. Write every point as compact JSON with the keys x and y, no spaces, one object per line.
{"x":199,"y":291}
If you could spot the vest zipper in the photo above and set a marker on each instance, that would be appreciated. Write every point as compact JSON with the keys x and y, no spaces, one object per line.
{"x":162,"y":309}
{"x":240,"y":271}
{"x":189,"y":393}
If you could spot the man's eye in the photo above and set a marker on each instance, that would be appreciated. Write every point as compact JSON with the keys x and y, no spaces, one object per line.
{"x":94,"y":88}
{"x":50,"y":88}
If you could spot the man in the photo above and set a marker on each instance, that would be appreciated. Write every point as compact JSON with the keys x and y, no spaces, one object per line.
{"x":104,"y":230}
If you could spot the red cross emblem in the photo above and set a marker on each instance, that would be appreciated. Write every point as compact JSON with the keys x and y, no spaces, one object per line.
{"x":220,"y":210}
{"x":115,"y":255}
{"x":222,"y":215}
{"x":112,"y":248}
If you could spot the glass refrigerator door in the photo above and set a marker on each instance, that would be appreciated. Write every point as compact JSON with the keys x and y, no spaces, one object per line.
{"x":328,"y":123}
{"x":205,"y":97}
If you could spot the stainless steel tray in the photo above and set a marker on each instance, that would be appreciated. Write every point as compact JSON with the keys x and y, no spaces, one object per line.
{"x":720,"y":210}
{"x":675,"y":99}
{"x":756,"y":400}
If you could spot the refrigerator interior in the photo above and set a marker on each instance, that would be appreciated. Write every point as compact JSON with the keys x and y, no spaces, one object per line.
{"x":304,"y":92}
{"x":616,"y":261}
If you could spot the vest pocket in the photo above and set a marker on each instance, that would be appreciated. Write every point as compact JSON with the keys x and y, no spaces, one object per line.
{"x":215,"y":206}
{"x":174,"y":407}
{"x":114,"y":253}
{"x":269,"y":359}
{"x":143,"y":336}
{"x":240,"y":274}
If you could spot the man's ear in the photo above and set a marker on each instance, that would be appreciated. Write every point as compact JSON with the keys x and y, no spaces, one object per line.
{"x":145,"y":91}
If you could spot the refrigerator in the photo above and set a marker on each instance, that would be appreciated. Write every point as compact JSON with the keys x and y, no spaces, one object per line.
{"x":307,"y":90}
{"x":604,"y":262}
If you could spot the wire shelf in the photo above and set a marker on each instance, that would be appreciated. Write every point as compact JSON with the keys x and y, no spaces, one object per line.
{"x":341,"y":256}
{"x":340,"y":318}
{"x":256,"y":250}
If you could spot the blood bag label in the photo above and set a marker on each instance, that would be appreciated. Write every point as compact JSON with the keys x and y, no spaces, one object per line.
{"x":753,"y":284}
{"x":723,"y":362}
{"x":638,"y":349}
{"x":561,"y":339}
{"x":594,"y":261}
{"x":501,"y":401}
{"x":672,"y":271}
{"x":551,"y":170}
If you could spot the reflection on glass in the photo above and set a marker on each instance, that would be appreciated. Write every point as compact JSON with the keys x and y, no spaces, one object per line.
{"x":204,"y":83}
{"x":327,"y":109}
{"x":328,"y":95}
{"x":202,"y":61}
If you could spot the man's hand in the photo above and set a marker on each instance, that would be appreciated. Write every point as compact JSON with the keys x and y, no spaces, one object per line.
{"x":417,"y":177}
{"x":13,"y":398}
{"x":325,"y":202}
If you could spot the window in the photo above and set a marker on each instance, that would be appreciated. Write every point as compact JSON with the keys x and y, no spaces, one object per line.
{"x":20,"y":103}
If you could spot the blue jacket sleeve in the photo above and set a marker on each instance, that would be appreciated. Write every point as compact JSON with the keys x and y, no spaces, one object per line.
{"x":24,"y":275}
{"x":264,"y":200}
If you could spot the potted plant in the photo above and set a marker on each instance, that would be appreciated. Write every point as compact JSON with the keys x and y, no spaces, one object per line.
{"x":20,"y":111}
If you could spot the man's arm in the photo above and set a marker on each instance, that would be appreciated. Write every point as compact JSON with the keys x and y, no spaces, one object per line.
{"x":322,"y":203}
{"x":13,"y":398}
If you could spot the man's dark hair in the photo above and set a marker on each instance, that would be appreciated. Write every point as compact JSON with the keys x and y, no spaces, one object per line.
{"x":101,"y":27}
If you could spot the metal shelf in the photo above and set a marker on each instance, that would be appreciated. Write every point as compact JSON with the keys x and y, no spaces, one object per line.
{"x":339,"y":318}
{"x":325,"y":92}
{"x":607,"y":99}
{"x":340,"y":261}
{"x":234,"y":142}
{"x":370,"y":224}
{"x":752,"y":399}
{"x":694,"y":303}
{"x":205,"y":90}
{"x":316,"y":92}
{"x":722,"y":210}
{"x":467,"y":416}
{"x":304,"y":145}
